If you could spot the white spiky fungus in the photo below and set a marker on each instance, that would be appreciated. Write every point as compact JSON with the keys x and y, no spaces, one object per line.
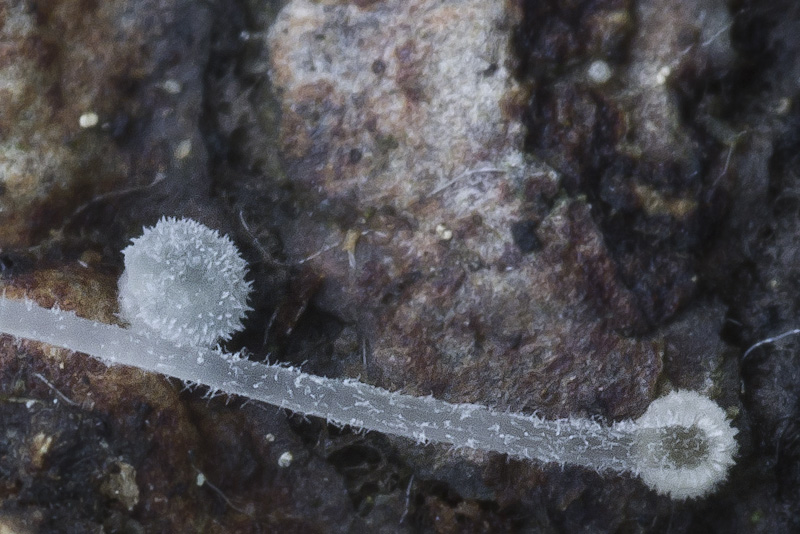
{"x":682,"y":446}
{"x":685,"y":445}
{"x":184,"y":281}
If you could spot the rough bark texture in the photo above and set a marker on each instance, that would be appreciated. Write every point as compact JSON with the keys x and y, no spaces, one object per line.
{"x":437,"y":197}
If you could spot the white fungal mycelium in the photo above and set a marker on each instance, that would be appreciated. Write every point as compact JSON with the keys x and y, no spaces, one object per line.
{"x":682,"y":446}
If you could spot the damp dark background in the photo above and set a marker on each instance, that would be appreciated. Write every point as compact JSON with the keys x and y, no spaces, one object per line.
{"x":688,"y":255}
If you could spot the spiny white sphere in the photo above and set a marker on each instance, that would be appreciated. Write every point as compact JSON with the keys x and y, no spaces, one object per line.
{"x":184,"y":281}
{"x":685,"y":445}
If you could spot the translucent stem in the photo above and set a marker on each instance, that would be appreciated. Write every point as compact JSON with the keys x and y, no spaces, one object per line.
{"x":683,"y":445}
{"x":343,"y":402}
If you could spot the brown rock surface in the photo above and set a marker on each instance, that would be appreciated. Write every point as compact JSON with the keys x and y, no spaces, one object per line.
{"x":474,"y":286}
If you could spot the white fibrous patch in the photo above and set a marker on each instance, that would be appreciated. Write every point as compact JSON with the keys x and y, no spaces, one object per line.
{"x":184,"y":281}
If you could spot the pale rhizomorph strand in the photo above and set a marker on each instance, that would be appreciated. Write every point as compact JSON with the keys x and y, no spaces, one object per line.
{"x":682,"y":446}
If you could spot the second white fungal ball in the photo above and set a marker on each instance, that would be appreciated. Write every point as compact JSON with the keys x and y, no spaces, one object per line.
{"x":184,"y":281}
{"x":685,"y":445}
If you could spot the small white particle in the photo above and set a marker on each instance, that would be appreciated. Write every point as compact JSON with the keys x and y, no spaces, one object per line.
{"x":662,"y":75}
{"x":183,"y":149}
{"x":285,"y":459}
{"x":444,"y":233}
{"x":172,"y":87}
{"x":599,"y":72}
{"x":88,"y":120}
{"x":783,"y":106}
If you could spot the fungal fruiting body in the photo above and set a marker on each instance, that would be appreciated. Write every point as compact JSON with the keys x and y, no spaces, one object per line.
{"x":684,"y":442}
{"x":682,"y":446}
{"x":184,"y":281}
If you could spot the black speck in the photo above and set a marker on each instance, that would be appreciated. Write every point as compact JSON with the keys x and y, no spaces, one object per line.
{"x":120,"y":126}
{"x":6,"y":263}
{"x":355,"y":155}
{"x":524,"y":235}
{"x":378,"y":67}
{"x":12,"y":263}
